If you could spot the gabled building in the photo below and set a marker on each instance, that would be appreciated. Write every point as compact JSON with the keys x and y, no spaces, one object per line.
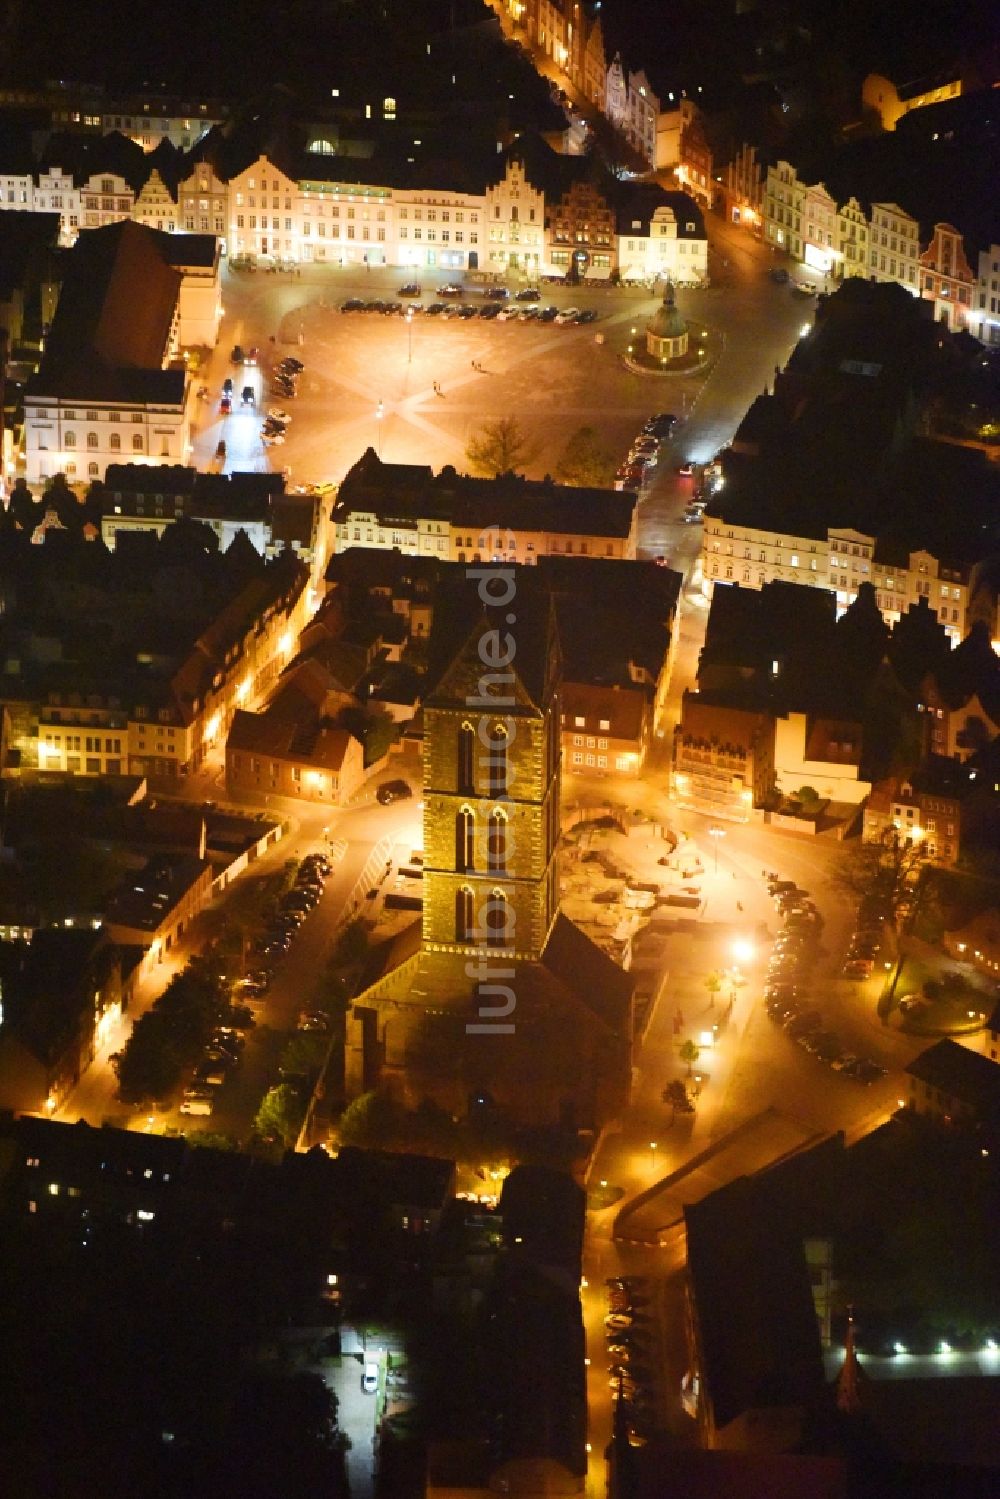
{"x":580,"y":233}
{"x":946,"y":278}
{"x":894,"y":246}
{"x":514,"y":223}
{"x":682,"y":144}
{"x":890,"y":101}
{"x":661,"y":234}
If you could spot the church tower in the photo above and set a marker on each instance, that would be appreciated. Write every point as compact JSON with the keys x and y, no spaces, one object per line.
{"x":491,"y":774}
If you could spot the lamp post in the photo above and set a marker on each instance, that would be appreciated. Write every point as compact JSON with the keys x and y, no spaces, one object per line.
{"x":409,"y":335}
{"x":715,"y":834}
{"x":379,"y":414}
{"x":652,"y":1153}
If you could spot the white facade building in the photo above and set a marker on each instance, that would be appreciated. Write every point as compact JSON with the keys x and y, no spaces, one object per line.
{"x":203,"y":203}
{"x":155,"y":206}
{"x":63,"y":436}
{"x":515,"y":220}
{"x":984,"y":317}
{"x":670,"y":243}
{"x":894,"y":246}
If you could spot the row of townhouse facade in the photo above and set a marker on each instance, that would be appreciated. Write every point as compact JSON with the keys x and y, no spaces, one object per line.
{"x":105,"y":197}
{"x":839,"y":240}
{"x":262,"y":211}
{"x":166,"y":725}
{"x":840,"y":560}
{"x":511,"y":227}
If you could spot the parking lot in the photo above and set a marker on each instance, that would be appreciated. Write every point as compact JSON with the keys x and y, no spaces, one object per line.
{"x":416,"y":387}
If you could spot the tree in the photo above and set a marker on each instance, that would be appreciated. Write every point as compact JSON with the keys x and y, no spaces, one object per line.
{"x":888,"y":866}
{"x":305,"y":1053}
{"x":498,"y":447}
{"x":374,"y":1120}
{"x":713,"y":983}
{"x":150,"y":1065}
{"x":689,"y":1054}
{"x":585,"y":461}
{"x":281,"y":1114}
{"x":807,"y":795}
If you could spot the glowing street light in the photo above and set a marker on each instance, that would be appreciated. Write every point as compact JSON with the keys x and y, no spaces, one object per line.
{"x":743,"y":951}
{"x":409,"y":337}
{"x":715,"y":834}
{"x":379,"y":414}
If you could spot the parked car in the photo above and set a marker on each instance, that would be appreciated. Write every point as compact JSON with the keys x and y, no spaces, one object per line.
{"x":451,"y":289}
{"x":227,"y":386}
{"x":660,"y":424}
{"x":548,"y":314}
{"x":197,"y":1106}
{"x":252,"y":354}
{"x":410,"y":289}
{"x":392,"y":791}
{"x":807,"y":288}
{"x":686,"y":470}
{"x":858,"y":968}
{"x":497,"y":293}
{"x":213,"y":1073}
{"x":226,"y":405}
{"x":236,"y":357}
{"x":352,"y":304}
{"x":588,"y":315}
{"x":291,"y":363}
{"x":220,"y":448}
{"x":369,"y":1379}
{"x":779,"y":274}
{"x":276,"y":414}
{"x":466,"y":312}
{"x":528,"y":294}
{"x":248,"y":397}
{"x":568,"y":315}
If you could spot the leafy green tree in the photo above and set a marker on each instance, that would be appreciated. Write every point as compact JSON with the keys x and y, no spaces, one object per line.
{"x":150,"y":1065}
{"x":689,"y":1053}
{"x":585,"y":461}
{"x":374,"y":1120}
{"x":713,"y":983}
{"x":499,"y":447}
{"x":281,"y":1114}
{"x":889,"y":865}
{"x":305,"y":1053}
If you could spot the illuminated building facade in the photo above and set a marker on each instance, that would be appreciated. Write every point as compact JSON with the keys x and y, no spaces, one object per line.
{"x":947,"y":279}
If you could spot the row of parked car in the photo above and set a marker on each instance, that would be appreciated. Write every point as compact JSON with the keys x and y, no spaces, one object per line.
{"x":866,"y":940}
{"x":629,"y":1357}
{"x":502,"y":312}
{"x":283,"y":386}
{"x":644,"y":453}
{"x":788,"y":975}
{"x":220,"y":1056}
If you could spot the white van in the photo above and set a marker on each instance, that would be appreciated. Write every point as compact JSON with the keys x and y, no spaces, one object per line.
{"x":197,"y":1106}
{"x":369,"y":1379}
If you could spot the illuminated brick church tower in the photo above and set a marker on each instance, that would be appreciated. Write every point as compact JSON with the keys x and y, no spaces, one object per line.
{"x":491,"y":787}
{"x":493,"y":990}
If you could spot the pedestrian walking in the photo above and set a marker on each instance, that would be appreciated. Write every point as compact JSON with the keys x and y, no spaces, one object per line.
{"x":739,"y":905}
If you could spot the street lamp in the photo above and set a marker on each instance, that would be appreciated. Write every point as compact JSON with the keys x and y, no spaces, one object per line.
{"x":379,"y":414}
{"x":409,"y":335}
{"x":715,"y":834}
{"x":652,"y":1149}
